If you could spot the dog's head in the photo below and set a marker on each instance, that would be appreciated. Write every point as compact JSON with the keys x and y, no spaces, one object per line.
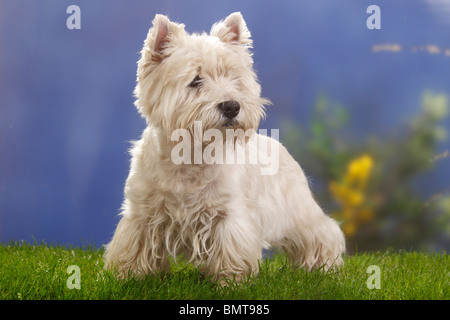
{"x":182,"y":78}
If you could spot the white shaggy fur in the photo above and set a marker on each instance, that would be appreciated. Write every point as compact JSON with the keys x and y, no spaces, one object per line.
{"x":218,"y":216}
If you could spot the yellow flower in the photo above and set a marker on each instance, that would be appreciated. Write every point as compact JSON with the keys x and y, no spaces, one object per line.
{"x":350,"y":194}
{"x":359,"y":169}
{"x":345,"y":195}
{"x":355,"y":198}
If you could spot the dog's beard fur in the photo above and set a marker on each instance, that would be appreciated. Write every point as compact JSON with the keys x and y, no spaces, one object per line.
{"x":217,"y":216}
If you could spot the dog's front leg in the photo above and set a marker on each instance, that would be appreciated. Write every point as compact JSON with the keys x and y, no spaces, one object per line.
{"x":235,"y":249}
{"x":134,"y":250}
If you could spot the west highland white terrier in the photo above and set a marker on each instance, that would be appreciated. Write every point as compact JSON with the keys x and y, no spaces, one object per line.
{"x":185,"y":201}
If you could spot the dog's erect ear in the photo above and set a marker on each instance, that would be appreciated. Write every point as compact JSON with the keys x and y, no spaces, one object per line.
{"x":232,"y":30}
{"x":160,"y":35}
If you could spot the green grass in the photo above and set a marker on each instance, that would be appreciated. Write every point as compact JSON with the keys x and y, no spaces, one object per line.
{"x":40,"y":272}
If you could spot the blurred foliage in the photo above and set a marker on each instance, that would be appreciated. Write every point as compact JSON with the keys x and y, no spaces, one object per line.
{"x":368,"y":183}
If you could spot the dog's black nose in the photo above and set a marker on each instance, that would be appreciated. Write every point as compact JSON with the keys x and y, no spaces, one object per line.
{"x":230,"y":109}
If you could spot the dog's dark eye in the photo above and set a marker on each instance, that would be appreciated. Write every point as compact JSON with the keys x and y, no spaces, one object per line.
{"x":197,"y":82}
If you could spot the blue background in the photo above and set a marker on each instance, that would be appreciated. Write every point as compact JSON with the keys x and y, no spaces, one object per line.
{"x":66,"y":104}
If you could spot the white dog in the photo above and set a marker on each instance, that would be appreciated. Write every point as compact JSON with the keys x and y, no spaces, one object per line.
{"x":218,"y":216}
